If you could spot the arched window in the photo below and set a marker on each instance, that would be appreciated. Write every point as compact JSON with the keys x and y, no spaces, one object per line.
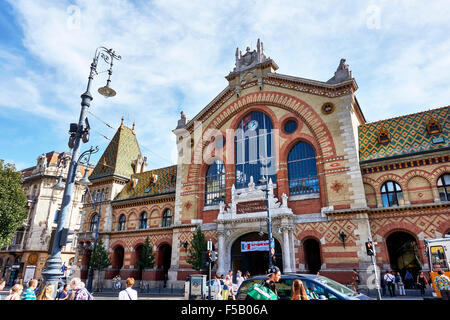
{"x":443,"y":185}
{"x":215,"y":183}
{"x":255,"y":150}
{"x":93,"y":223}
{"x":167,"y":218}
{"x":391,"y":194}
{"x":143,"y":220}
{"x":302,"y":170}
{"x":122,"y":221}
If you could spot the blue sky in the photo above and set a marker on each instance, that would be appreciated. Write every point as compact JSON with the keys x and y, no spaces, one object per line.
{"x":175,"y":55}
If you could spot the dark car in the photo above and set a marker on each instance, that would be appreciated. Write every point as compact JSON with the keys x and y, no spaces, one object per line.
{"x":318,"y":288}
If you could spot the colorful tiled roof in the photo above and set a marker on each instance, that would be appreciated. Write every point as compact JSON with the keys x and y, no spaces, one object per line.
{"x":150,"y":183}
{"x":118,"y":156}
{"x":408,"y":135}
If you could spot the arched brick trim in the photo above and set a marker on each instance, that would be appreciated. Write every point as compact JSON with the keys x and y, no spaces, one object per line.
{"x":417,"y":173}
{"x":393,"y":227}
{"x":117,"y":243}
{"x":163,"y":241}
{"x":393,"y":177}
{"x":306,"y":235}
{"x":439,"y":171}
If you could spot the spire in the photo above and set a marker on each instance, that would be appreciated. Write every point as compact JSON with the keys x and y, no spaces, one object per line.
{"x":121,"y":124}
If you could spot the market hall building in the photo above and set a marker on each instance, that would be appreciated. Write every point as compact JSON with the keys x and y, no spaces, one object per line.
{"x":301,"y":147}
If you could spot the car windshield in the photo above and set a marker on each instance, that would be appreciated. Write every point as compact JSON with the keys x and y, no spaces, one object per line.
{"x":336,"y":286}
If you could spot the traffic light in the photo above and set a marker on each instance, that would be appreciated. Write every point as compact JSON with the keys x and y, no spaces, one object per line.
{"x":66,"y":237}
{"x":369,"y":248}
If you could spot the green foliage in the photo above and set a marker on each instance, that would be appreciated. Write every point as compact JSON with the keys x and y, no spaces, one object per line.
{"x":147,"y":258}
{"x":13,"y":202}
{"x":99,"y":258}
{"x":197,"y":249}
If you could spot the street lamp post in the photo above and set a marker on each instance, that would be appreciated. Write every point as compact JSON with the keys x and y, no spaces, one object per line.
{"x":78,"y":133}
{"x":269,"y":222}
{"x":94,"y":202}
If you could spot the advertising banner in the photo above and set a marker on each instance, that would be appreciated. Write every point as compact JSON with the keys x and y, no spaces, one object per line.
{"x":255,"y":246}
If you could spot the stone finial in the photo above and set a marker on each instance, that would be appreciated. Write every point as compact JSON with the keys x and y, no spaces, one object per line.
{"x":121,"y":123}
{"x":342,"y":73}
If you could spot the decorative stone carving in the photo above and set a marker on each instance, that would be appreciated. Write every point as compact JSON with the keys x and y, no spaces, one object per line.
{"x":182,"y":121}
{"x":249,"y":195}
{"x":342,"y":73}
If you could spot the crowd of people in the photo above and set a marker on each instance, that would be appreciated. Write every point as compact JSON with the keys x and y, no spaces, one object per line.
{"x":73,"y":290}
{"x":225,"y":287}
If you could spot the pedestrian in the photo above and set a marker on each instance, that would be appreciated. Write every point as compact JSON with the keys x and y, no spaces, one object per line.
{"x":298,"y":291}
{"x":409,"y":279}
{"x":29,"y":293}
{"x":422,"y":283}
{"x":389,"y":279}
{"x":216,"y":288}
{"x":400,"y":284}
{"x":266,"y":290}
{"x":442,"y":283}
{"x":2,"y":285}
{"x":225,"y":288}
{"x":247,"y":275}
{"x":79,"y":292}
{"x":63,"y":294}
{"x":383,"y":285}
{"x":239,"y":279}
{"x":15,"y":292}
{"x":59,"y":289}
{"x":355,"y":280}
{"x":128,"y":293}
{"x":47,"y":292}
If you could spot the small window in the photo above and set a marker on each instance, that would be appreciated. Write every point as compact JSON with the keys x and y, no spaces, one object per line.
{"x":433,"y":126}
{"x":143,"y":220}
{"x":122,"y":221}
{"x":93,"y":223}
{"x":391,"y":194}
{"x":438,"y":259}
{"x":443,"y":185}
{"x":167,"y":218}
{"x":290,"y":126}
{"x":383,"y":136}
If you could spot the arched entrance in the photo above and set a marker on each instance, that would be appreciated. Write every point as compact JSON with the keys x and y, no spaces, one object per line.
{"x":313,"y":261}
{"x":255,"y":262}
{"x":164,"y":259}
{"x":118,"y":256}
{"x":403,"y":253}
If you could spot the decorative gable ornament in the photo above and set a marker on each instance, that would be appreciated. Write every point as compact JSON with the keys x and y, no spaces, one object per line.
{"x":383,"y":136}
{"x":433,"y":126}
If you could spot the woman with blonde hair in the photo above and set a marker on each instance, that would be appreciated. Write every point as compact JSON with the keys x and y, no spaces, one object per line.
{"x":15,"y":292}
{"x":47,"y":292}
{"x":298,"y":291}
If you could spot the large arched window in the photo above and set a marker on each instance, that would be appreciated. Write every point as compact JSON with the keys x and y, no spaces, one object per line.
{"x":93,"y":223}
{"x":122,"y":221}
{"x":254,"y":150}
{"x":215,"y":183}
{"x":391,"y":194}
{"x":143,"y":220}
{"x":302,"y":170}
{"x":167,"y":218}
{"x":443,"y":185}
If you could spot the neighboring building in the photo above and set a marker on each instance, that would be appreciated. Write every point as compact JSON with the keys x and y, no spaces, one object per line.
{"x":29,"y":250}
{"x":334,"y":181}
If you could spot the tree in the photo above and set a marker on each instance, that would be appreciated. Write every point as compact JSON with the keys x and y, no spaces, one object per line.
{"x":147,"y":258}
{"x":197,"y":250}
{"x":99,"y":259}
{"x":13,"y":202}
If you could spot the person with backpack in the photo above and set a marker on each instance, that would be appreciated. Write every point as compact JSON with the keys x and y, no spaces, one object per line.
{"x":389,"y":279}
{"x":267,"y":289}
{"x":442,"y":283}
{"x":79,"y":292}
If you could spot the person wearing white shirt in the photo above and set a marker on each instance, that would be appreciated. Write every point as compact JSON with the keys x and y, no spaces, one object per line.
{"x":128,"y":293}
{"x":239,"y":279}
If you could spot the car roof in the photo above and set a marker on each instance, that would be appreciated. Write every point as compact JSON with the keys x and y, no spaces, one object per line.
{"x":287,"y":275}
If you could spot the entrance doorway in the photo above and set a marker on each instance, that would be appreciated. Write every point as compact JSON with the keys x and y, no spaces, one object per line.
{"x":164,"y":260}
{"x":255,"y":262}
{"x":403,"y":253}
{"x":312,"y":255}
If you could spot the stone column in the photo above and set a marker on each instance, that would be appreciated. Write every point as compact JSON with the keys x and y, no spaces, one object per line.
{"x":291,"y":248}
{"x":221,"y":261}
{"x":286,"y":250}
